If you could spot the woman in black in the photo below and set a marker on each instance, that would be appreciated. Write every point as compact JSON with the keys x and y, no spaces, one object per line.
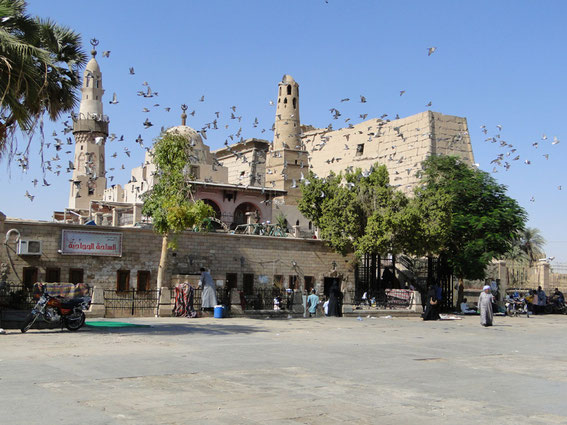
{"x":335,"y":298}
{"x":431,"y":305}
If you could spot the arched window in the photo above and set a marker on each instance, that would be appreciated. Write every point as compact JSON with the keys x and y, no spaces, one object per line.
{"x":297,"y":222}
{"x":87,"y":81}
{"x":215,"y":207}
{"x":294,"y":103}
{"x":97,"y":84}
{"x":285,"y":100}
{"x":289,"y":89}
{"x":240,"y":216}
{"x":280,"y":90}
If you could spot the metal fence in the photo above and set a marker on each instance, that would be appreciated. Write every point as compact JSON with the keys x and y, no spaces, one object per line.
{"x":130,"y":303}
{"x":223,"y":297}
{"x":263,"y":299}
{"x":386,"y":299}
{"x":16,"y":297}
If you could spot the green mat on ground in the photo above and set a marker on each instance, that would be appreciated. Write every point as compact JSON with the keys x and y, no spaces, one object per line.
{"x":104,"y":324}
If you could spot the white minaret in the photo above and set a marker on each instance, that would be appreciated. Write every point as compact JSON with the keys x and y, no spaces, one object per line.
{"x":287,"y":159}
{"x":90,"y":128}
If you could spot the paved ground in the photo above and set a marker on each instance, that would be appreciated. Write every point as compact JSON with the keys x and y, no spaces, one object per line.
{"x":298,"y":371}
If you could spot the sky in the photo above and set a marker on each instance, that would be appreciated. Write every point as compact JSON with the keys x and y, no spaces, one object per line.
{"x":497,"y":63}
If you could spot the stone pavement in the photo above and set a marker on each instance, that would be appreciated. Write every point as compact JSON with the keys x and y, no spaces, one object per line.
{"x":298,"y":371}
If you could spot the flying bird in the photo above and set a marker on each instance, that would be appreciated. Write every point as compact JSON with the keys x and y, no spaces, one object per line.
{"x":114,"y":100}
{"x":132,"y":70}
{"x":106,"y":54}
{"x":29,"y":196}
{"x":362,"y":99}
{"x":431,"y":50}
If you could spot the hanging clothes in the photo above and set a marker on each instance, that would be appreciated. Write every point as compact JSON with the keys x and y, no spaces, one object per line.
{"x":184,"y":297}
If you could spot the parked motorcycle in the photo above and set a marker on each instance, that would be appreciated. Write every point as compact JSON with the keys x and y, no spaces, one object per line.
{"x":68,"y":312}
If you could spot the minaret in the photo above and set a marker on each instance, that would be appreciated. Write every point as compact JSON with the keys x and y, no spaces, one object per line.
{"x":90,"y":129}
{"x":287,"y":159}
{"x":286,"y":129}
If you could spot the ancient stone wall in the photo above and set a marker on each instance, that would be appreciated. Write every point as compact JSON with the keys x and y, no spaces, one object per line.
{"x":264,"y":257}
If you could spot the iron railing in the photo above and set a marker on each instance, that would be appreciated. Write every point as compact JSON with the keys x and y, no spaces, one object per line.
{"x":130,"y":303}
{"x":16,"y":297}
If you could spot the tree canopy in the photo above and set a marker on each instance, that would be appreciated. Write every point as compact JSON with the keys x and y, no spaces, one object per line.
{"x":358,"y":211}
{"x":483,"y":220}
{"x":39,"y":70}
{"x":458,"y":213}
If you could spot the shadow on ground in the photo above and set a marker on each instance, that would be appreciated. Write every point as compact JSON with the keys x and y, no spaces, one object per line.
{"x":162,"y":329}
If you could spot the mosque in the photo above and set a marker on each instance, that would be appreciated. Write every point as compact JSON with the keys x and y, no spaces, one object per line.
{"x":254,"y":178}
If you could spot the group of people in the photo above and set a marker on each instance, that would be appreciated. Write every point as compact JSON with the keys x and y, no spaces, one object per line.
{"x":485,"y":305}
{"x":537,"y":300}
{"x":331,"y":307}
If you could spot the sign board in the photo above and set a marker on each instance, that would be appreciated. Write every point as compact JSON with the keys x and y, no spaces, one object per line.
{"x":108,"y":244}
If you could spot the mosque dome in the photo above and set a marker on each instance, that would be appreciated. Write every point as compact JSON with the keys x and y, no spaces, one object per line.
{"x":200,"y":150}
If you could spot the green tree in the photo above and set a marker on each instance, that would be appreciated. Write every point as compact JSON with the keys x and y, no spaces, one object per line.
{"x":170,"y":202}
{"x":359,"y":212}
{"x":39,"y":71}
{"x":482,"y":223}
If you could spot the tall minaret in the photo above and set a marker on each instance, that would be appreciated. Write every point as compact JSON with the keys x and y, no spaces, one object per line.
{"x":90,"y":128}
{"x":287,"y":159}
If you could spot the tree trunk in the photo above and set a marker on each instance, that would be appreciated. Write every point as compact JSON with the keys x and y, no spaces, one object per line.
{"x":161,"y":269}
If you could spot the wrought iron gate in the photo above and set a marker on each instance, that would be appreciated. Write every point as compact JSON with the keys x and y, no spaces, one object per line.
{"x":130,"y":303}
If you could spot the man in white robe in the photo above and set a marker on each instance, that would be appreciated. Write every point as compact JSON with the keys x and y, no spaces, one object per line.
{"x":209,"y":295}
{"x":485,"y":301}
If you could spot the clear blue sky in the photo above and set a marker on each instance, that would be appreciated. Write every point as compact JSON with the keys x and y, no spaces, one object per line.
{"x":497,"y":63}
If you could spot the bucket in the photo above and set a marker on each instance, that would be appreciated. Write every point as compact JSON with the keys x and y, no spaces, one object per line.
{"x":219,"y":311}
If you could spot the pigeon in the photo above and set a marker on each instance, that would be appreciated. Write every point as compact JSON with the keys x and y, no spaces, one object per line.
{"x":346,"y":99}
{"x":99,"y":140}
{"x":202,"y":99}
{"x":362,"y":99}
{"x":555,"y":140}
{"x":114,"y":100}
{"x":29,"y":196}
{"x":429,"y":104}
{"x":147,"y":124}
{"x":45,"y":183}
{"x":431,"y":50}
{"x":402,"y":92}
{"x":132,"y":70}
{"x":106,"y":54}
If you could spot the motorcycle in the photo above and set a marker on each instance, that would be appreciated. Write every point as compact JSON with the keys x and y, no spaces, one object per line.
{"x":51,"y":309}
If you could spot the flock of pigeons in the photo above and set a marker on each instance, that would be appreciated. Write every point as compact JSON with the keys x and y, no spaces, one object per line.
{"x":63,"y":143}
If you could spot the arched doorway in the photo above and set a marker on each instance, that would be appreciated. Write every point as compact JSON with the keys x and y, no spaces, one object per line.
{"x":217,"y":213}
{"x":240,"y":213}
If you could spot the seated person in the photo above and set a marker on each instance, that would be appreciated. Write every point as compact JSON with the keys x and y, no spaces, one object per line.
{"x":531,"y":300}
{"x":465,"y":308}
{"x":557,"y":298}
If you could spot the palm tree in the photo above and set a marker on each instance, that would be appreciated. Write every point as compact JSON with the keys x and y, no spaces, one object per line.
{"x":39,"y":71}
{"x":532,"y":243}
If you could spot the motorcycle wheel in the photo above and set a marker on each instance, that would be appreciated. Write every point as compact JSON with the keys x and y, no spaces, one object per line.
{"x":28,"y":322}
{"x":76,"y":323}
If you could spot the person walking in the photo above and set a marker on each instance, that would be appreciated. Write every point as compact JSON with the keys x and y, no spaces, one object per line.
{"x":312,"y":303}
{"x":485,"y":301}
{"x":208,"y":296}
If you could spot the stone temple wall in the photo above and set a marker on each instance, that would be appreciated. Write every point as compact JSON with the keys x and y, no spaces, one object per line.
{"x":401,"y":145}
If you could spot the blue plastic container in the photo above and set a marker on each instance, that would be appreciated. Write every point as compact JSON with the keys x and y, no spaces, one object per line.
{"x":219,"y":312}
